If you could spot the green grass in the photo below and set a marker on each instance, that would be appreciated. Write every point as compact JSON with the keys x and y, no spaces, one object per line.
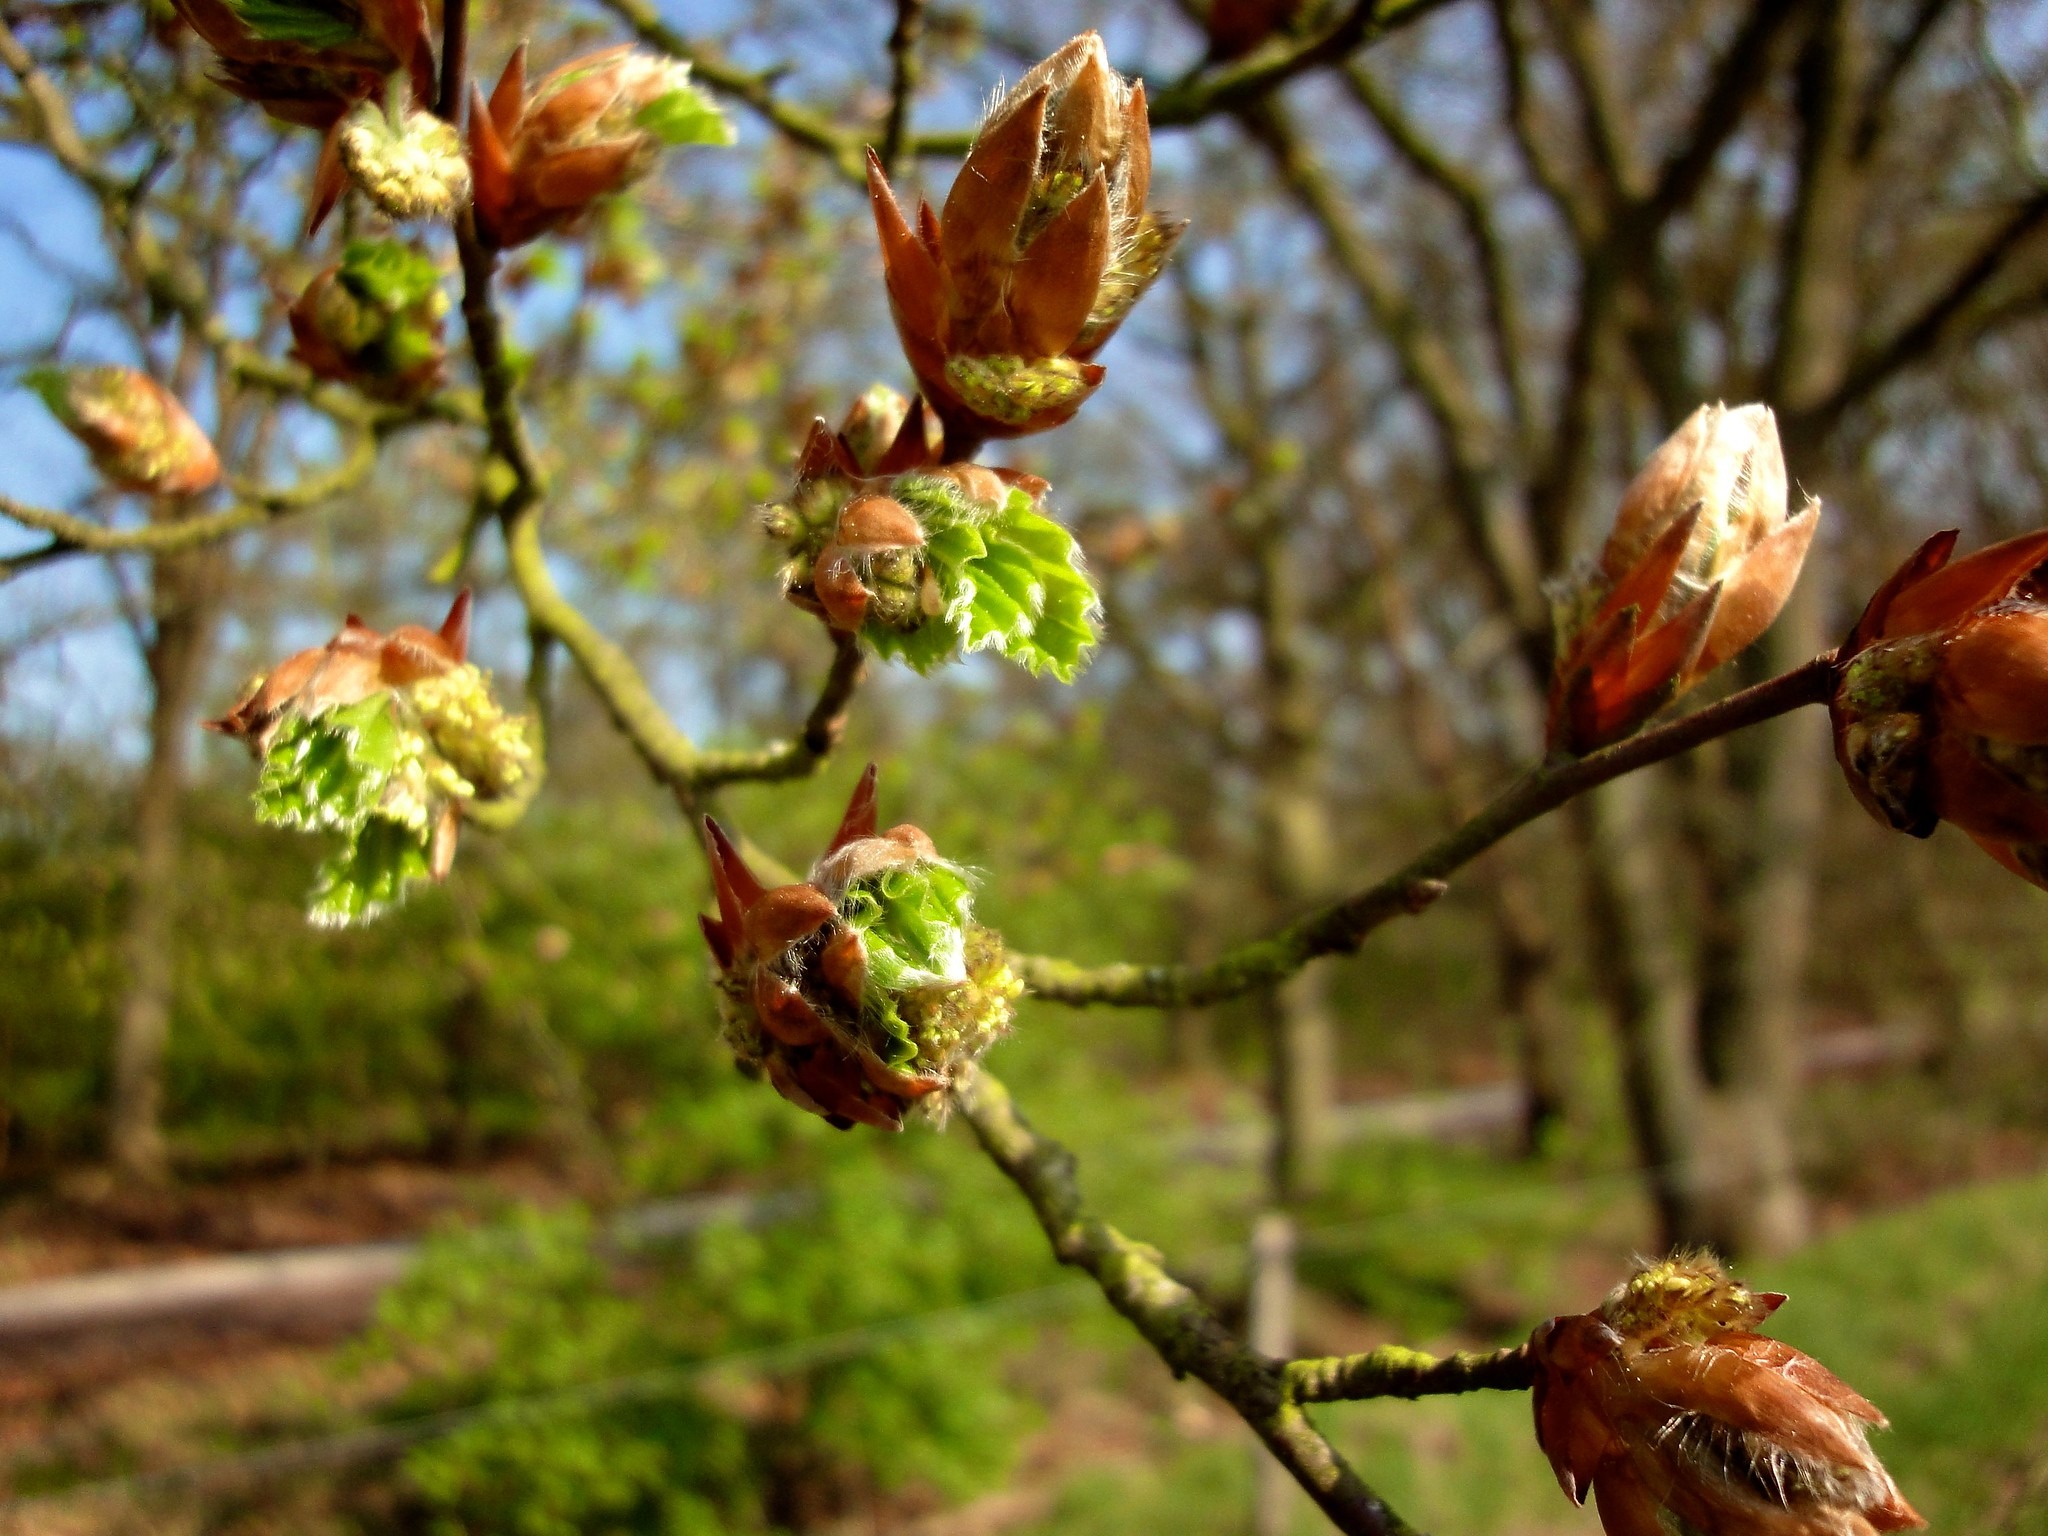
{"x":1939,"y":1314}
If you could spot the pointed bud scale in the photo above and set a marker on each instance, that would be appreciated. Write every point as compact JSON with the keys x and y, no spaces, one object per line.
{"x":784,"y":1013}
{"x":866,"y":989}
{"x":1940,"y":710}
{"x":783,"y":916}
{"x":139,"y":436}
{"x":870,"y":522}
{"x":1702,"y":556}
{"x":735,"y":884}
{"x":718,"y":938}
{"x":588,"y":130}
{"x":844,"y":964}
{"x":859,"y":820}
{"x":382,"y":740}
{"x":1675,"y":1415}
{"x":1043,"y":246}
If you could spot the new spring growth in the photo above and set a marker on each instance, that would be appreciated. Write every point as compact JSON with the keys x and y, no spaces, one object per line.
{"x":591,"y":128}
{"x":410,"y":166}
{"x":138,"y":434}
{"x":1941,"y":709}
{"x":924,"y":561}
{"x":1701,"y":559}
{"x":869,"y":989}
{"x":381,"y":740}
{"x":311,"y":62}
{"x":1003,"y":299}
{"x":374,"y":320}
{"x":1678,"y":1416}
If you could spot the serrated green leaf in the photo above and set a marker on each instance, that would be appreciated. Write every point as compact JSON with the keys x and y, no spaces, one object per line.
{"x":1009,"y":577}
{"x":683,"y":116}
{"x":329,"y":773}
{"x":371,"y":872}
{"x":913,"y":922}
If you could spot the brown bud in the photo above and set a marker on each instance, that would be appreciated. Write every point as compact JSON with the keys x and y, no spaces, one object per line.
{"x":1941,"y":708}
{"x":1044,"y":245}
{"x":1674,"y":1415}
{"x":356,"y":663}
{"x":1700,"y":561}
{"x":538,"y":162}
{"x":138,"y":434}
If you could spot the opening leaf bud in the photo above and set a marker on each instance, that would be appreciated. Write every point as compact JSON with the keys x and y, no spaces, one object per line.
{"x":591,"y":128}
{"x":1701,"y":559}
{"x":138,"y":434}
{"x":310,"y":62}
{"x":375,"y":320}
{"x":412,"y":170}
{"x":1670,"y":1409}
{"x":932,"y":562}
{"x":381,"y":741}
{"x":866,"y":991}
{"x":1045,"y":243}
{"x":1940,"y":710}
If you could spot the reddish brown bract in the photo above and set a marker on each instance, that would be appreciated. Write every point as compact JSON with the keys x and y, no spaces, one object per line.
{"x":356,"y":663}
{"x":1941,"y":710}
{"x":1676,"y":1416}
{"x":1044,"y":244}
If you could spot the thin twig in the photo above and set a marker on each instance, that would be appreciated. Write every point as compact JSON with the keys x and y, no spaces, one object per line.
{"x":905,"y":66}
{"x":1342,"y":926}
{"x":255,"y":509}
{"x":1175,"y":1321}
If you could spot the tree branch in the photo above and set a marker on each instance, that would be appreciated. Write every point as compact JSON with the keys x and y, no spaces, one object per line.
{"x":1392,"y":1371}
{"x":904,"y":69}
{"x":1176,"y":1322}
{"x":1342,"y":926}
{"x":800,"y":125}
{"x":1490,"y":253}
{"x":1202,"y":93}
{"x":1208,"y":90}
{"x":1499,"y":542}
{"x":257,"y":507}
{"x":804,"y":755}
{"x":670,"y":755}
{"x":1930,"y":329}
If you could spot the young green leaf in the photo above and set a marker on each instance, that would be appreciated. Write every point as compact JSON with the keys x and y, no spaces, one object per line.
{"x":369,"y":873}
{"x":685,"y":115}
{"x":1009,"y":580}
{"x":299,"y":21}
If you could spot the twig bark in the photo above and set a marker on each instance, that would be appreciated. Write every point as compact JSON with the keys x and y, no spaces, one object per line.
{"x":1342,"y":926}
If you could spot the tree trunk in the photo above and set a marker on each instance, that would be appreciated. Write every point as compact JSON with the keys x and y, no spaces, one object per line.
{"x":1635,"y":969}
{"x":1294,"y":866}
{"x":1751,"y":1011}
{"x":1525,"y":959}
{"x":183,"y":603}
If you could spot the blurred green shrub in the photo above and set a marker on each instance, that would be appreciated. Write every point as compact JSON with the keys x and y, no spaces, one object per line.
{"x":762,"y":1377}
